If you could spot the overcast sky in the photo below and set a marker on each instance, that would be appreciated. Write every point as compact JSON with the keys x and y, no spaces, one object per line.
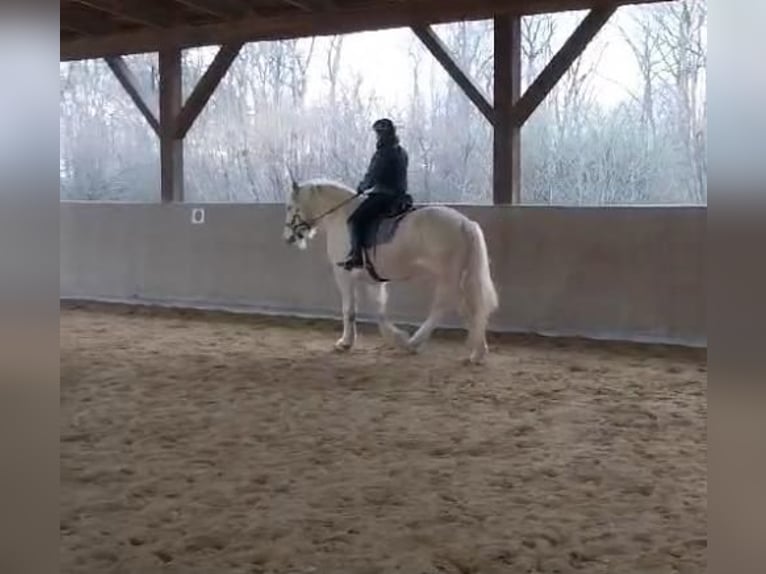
{"x":382,"y":58}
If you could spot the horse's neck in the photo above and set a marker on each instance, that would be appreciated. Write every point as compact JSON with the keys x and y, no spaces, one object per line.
{"x":332,"y":200}
{"x":334,"y":206}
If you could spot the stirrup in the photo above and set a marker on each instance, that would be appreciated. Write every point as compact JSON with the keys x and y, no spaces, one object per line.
{"x":352,"y":262}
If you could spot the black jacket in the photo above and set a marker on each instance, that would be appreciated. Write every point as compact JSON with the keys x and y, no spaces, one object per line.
{"x":387,"y":170}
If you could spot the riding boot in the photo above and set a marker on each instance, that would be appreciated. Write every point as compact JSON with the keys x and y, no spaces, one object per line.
{"x":354,"y":258}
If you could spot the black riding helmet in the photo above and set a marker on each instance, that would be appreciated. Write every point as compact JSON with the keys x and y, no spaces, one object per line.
{"x":384,"y":126}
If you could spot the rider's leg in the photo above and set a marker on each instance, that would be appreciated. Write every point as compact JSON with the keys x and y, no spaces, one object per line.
{"x":354,"y":258}
{"x":357,"y":224}
{"x":354,"y":253}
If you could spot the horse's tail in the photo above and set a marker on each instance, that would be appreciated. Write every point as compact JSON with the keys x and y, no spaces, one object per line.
{"x":480,"y":296}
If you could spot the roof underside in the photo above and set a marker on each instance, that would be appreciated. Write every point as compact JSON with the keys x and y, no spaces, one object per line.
{"x":98,"y":28}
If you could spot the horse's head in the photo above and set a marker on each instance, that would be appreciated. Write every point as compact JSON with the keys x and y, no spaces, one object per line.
{"x":298,"y":225}
{"x":310,"y":204}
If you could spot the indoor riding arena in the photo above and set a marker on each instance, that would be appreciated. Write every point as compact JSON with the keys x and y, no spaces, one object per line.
{"x":209,"y":425}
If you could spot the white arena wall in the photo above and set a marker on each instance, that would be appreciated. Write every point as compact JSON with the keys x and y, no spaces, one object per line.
{"x":628,"y":273}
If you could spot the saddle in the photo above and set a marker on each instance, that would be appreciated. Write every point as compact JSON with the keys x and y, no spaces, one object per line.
{"x":382,"y":229}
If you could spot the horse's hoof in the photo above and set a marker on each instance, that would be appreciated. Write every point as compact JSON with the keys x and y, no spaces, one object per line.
{"x":478,"y":354}
{"x":413,"y":348}
{"x":474,"y":359}
{"x":342,"y":346}
{"x":396,"y":339}
{"x":391,"y":339}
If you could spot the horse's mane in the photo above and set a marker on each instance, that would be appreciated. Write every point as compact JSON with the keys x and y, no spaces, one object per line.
{"x":322,"y":182}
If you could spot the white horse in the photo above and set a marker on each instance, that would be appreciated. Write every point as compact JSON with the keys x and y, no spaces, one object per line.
{"x":434,"y":241}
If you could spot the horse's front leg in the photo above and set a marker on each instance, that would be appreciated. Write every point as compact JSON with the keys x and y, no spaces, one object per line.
{"x":348,"y":296}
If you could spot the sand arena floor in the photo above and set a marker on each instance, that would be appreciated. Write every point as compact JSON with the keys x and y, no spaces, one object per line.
{"x":205,"y":443}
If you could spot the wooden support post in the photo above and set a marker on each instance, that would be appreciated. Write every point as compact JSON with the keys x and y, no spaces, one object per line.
{"x":506,"y":160}
{"x":561,"y":62}
{"x":439,"y":51}
{"x":205,"y":88}
{"x":175,"y":119}
{"x":131,"y":85}
{"x":171,"y":146}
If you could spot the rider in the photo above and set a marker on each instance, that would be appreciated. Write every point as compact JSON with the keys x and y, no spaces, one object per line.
{"x":387,"y":178}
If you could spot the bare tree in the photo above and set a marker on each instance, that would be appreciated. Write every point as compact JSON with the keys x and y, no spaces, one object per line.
{"x":576,"y":149}
{"x":536,"y":44}
{"x":333,"y":60}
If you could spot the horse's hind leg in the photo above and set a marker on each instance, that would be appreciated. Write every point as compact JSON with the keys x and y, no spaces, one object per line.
{"x":378,"y":293}
{"x":477,"y":339}
{"x":443,"y":301}
{"x":476,"y":321}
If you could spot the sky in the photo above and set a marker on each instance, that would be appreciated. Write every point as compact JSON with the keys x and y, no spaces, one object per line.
{"x":382,"y":59}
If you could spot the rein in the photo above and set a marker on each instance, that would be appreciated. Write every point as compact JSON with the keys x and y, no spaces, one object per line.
{"x":313,"y":222}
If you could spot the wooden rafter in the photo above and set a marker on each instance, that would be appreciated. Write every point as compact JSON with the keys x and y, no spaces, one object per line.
{"x":560,"y":63}
{"x":433,"y":43}
{"x":243,"y":7}
{"x":89,"y":22}
{"x":293,"y":24}
{"x":113,"y":9}
{"x":206,"y":7}
{"x":300,"y":4}
{"x":327,"y":5}
{"x":205,"y":87}
{"x":73,"y":28}
{"x":132,"y":86}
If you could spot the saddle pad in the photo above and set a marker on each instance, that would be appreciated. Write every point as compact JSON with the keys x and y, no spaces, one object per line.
{"x":383,"y":230}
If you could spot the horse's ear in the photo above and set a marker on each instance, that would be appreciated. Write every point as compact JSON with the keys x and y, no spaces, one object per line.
{"x":293,"y":183}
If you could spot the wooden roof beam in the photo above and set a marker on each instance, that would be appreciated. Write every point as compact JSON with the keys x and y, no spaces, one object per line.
{"x":323,"y":23}
{"x":300,"y":4}
{"x":206,"y":7}
{"x":433,"y":43}
{"x":244,"y":7}
{"x":205,"y":88}
{"x":196,"y":101}
{"x":117,"y":11}
{"x":327,"y":5}
{"x":74,"y":28}
{"x":132,"y":86}
{"x":77,"y":16}
{"x":561,"y":62}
